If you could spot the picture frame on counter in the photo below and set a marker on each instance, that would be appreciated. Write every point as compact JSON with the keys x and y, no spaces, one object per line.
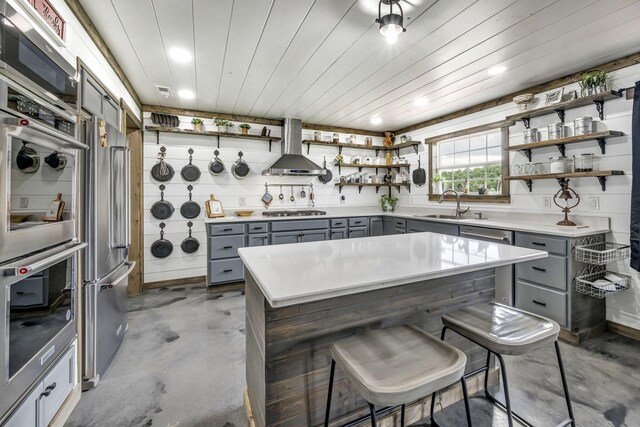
{"x":554,"y":97}
{"x":214,"y":208}
{"x":571,"y":95}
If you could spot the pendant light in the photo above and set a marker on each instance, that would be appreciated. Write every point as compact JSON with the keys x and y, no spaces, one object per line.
{"x":391,"y":24}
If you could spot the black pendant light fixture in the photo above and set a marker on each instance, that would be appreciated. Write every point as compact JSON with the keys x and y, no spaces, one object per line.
{"x":391,"y":24}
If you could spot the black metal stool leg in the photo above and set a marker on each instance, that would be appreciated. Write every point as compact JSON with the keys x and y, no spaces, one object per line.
{"x":465,"y":394}
{"x":486,"y":375}
{"x":328,"y":410}
{"x":372,"y":409}
{"x":567,"y":396}
{"x":402,"y":417}
{"x":507,"y":399}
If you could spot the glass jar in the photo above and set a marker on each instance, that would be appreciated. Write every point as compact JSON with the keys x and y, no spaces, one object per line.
{"x":317,"y":135}
{"x":336,"y":138}
{"x":368,"y":141}
{"x":582,"y":126}
{"x":558,"y":165}
{"x":353,"y":139}
{"x":556,"y":130}
{"x":583,"y":162}
{"x":516,"y":170}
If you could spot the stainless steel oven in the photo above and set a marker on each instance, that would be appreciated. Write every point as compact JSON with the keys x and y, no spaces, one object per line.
{"x":38,"y":294}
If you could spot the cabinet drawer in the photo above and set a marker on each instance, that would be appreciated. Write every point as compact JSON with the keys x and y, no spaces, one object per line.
{"x":399,"y":222}
{"x":26,"y":414}
{"x":544,"y":243}
{"x":550,"y":271}
{"x":545,"y":302}
{"x":221,"y":229}
{"x":60,"y":381}
{"x":228,"y":270}
{"x":225,"y":247}
{"x":257,"y":227}
{"x":29,"y":292}
{"x":299,"y":225}
{"x":338,"y":223}
{"x":399,"y":230}
{"x":358,"y":222}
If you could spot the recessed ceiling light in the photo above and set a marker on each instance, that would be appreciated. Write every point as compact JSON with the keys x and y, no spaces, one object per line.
{"x":496,"y":69}
{"x":186,"y":94}
{"x":180,"y":55}
{"x":420,"y":102}
{"x":376,"y":120}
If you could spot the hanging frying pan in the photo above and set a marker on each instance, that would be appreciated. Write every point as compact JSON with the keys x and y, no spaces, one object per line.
{"x":216,"y":167}
{"x":419,"y":175}
{"x":240,"y":168}
{"x":28,"y":159}
{"x":190,"y":209}
{"x":328,"y":176}
{"x":190,"y":172}
{"x":56,"y":160}
{"x":190,"y":244}
{"x":162,"y":171}
{"x":162,"y":247}
{"x":162,"y":209}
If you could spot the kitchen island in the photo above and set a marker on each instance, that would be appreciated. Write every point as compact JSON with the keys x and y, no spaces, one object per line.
{"x":301,"y":298}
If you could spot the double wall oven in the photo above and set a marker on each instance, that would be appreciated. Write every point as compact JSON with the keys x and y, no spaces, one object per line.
{"x":40,"y":158}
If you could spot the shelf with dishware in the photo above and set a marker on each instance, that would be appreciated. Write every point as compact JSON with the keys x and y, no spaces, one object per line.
{"x":559,"y":108}
{"x":389,"y":185}
{"x":561,"y":177}
{"x":600,"y":137}
{"x":361,"y":166}
{"x":218,"y":135}
{"x":377,"y":148}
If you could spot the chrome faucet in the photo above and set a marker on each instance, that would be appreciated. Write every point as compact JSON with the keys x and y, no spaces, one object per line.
{"x":459,"y":212}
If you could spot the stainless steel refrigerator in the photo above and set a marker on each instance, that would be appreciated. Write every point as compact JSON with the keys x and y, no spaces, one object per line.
{"x":106,"y":268}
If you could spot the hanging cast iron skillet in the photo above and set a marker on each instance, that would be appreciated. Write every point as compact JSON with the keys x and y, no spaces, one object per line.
{"x":162,"y":209}
{"x":190,"y":172}
{"x":162,"y":247}
{"x":190,"y":209}
{"x":56,"y":160}
{"x":240,"y":168}
{"x":328,"y":176}
{"x":216,"y":167}
{"x":190,"y":244}
{"x":419,"y":175}
{"x":162,"y":171}
{"x":27,"y":159}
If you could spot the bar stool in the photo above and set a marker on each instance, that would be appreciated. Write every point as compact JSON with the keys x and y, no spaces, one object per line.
{"x":394,"y":366}
{"x":504,"y":330}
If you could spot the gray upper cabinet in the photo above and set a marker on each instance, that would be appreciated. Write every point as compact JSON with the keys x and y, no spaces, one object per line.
{"x":95,"y":100}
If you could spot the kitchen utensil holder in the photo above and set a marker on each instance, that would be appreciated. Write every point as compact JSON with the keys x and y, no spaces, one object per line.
{"x":602,"y":253}
{"x":585,"y":282}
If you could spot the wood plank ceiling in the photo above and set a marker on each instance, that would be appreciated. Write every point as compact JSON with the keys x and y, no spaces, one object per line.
{"x":325,"y":62}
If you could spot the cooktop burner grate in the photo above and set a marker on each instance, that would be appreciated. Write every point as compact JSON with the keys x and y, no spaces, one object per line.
{"x":305,"y":212}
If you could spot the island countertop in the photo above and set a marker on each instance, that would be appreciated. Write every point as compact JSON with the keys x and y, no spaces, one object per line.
{"x":301,"y":273}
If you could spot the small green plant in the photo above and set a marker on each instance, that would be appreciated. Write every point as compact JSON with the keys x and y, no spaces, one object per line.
{"x":222,"y":123}
{"x":593,"y":79}
{"x":197,"y":121}
{"x":436,"y":179}
{"x":388,"y":203}
{"x":245,"y":126}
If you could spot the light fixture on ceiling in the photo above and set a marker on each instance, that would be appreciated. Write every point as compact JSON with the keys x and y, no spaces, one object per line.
{"x":420,"y":102}
{"x":376,"y":120}
{"x":496,"y":69}
{"x":186,"y":94}
{"x":180,"y":55}
{"x":391,"y":24}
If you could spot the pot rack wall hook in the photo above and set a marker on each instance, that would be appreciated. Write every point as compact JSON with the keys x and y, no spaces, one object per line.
{"x":157,"y":137}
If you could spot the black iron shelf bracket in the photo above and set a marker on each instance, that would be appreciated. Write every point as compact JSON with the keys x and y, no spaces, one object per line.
{"x":340,"y":150}
{"x":377,"y":152}
{"x":397,"y":151}
{"x":377,"y":188}
{"x":560,"y":114}
{"x":603,"y":182}
{"x":308,"y":147}
{"x":527,"y":152}
{"x":269,"y":145}
{"x":526,"y":121}
{"x":600,"y":108}
{"x":561,"y":149}
{"x":218,"y":137}
{"x":415,"y":147}
{"x":359,"y":189}
{"x":157,"y":137}
{"x":602,"y":142}
{"x":529,"y":183}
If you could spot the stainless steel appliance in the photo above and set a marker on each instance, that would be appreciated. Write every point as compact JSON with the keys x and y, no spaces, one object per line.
{"x":106,"y":214}
{"x":504,"y":277}
{"x":292,"y":162}
{"x":40,"y":321}
{"x":302,"y":212}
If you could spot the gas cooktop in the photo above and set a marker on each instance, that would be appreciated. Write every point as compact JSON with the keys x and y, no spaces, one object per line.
{"x":303,"y":212}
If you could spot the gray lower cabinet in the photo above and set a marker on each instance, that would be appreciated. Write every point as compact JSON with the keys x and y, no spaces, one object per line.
{"x":391,"y":225}
{"x":338,"y":233}
{"x":356,"y":232}
{"x":418,"y":226}
{"x":285,"y":237}
{"x":375,"y":226}
{"x":258,"y":239}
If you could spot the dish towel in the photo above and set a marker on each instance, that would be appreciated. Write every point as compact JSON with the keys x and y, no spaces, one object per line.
{"x":635,"y":181}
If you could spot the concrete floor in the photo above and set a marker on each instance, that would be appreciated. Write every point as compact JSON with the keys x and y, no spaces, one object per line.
{"x":182,"y":363}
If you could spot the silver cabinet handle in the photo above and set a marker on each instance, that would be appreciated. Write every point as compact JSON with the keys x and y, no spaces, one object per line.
{"x":41,"y":264}
{"x":482,"y":236}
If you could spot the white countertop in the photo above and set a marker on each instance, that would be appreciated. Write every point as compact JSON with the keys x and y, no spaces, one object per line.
{"x":535,"y":223}
{"x":305,"y":272}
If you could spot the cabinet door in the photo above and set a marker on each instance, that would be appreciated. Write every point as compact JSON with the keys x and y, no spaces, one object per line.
{"x":283,"y":238}
{"x":258,"y":239}
{"x":92,"y":95}
{"x":111,"y":111}
{"x":399,"y":230}
{"x":27,"y":413}
{"x":388,"y":227}
{"x":338,"y":233}
{"x":355,"y":232}
{"x":314,"y":236}
{"x":375,"y":227}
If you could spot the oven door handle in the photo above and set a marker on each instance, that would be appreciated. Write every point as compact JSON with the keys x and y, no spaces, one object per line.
{"x":29,"y":126}
{"x":41,"y":263}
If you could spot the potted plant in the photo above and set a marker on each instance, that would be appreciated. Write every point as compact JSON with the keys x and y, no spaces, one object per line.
{"x":593,"y":82}
{"x":222,"y":125}
{"x":244,"y":128}
{"x":600,"y":80}
{"x":437,"y":187}
{"x":388,"y":203}
{"x":197,"y":124}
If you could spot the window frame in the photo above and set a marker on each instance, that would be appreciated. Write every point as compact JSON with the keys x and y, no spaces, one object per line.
{"x":504,"y":196}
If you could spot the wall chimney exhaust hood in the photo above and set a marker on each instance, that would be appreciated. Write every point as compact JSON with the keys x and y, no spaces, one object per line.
{"x":292,"y":162}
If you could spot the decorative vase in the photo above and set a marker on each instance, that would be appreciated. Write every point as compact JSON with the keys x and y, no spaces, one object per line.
{"x":388,"y":141}
{"x":222,"y":129}
{"x":387,"y":207}
{"x":197,"y":127}
{"x":244,"y":131}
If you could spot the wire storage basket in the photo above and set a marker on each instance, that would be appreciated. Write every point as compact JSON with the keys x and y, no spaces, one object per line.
{"x":602,"y":253}
{"x":601,"y":283}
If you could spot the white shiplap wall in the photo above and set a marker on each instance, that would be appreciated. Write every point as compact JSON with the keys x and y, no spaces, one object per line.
{"x":615,"y":203}
{"x":227,"y":189}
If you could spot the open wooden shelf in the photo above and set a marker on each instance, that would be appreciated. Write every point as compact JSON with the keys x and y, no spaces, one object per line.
{"x":559,"y":108}
{"x":600,"y":137}
{"x":218,"y":135}
{"x":363,"y":166}
{"x":376,"y":148}
{"x":360,"y":185}
{"x":601,"y":175}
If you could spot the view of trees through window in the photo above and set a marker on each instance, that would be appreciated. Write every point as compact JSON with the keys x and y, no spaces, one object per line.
{"x":472,"y":164}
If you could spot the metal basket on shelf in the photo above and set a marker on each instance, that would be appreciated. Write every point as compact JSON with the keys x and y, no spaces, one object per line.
{"x":597,"y":282}
{"x":602,"y":253}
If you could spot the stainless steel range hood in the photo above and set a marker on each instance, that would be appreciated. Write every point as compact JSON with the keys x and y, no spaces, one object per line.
{"x":292,"y":162}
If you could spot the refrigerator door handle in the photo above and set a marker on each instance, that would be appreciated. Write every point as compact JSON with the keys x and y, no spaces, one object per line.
{"x":130,"y":266}
{"x":115,"y":242}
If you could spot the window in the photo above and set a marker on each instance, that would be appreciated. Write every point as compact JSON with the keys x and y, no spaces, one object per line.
{"x":471,"y":163}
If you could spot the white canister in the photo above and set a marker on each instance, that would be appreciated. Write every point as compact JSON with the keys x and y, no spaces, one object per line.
{"x":558,"y":164}
{"x":583,"y":126}
{"x":556,"y":130}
